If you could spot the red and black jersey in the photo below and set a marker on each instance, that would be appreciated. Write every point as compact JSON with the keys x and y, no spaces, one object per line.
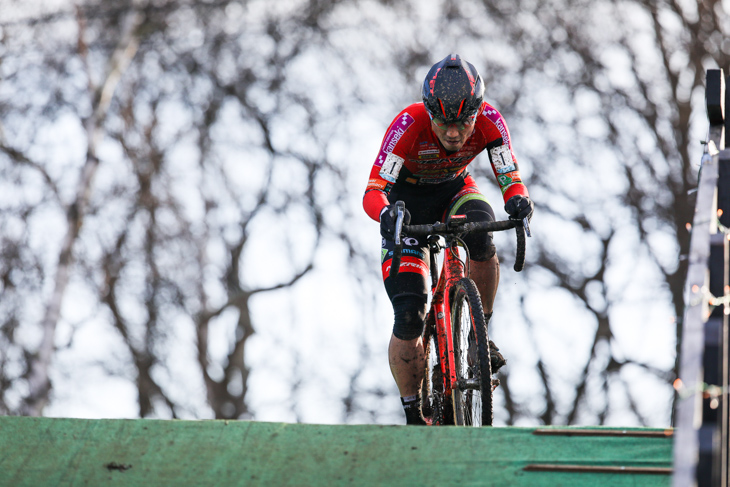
{"x":411,"y":154}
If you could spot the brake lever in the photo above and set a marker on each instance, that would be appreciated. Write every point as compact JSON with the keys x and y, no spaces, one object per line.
{"x":400,"y":209}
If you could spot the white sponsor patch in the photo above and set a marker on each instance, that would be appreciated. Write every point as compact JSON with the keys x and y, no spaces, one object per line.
{"x":391,"y":167}
{"x":502,"y":159}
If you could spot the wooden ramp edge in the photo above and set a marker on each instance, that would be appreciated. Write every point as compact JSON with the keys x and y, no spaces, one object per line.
{"x":38,"y":452}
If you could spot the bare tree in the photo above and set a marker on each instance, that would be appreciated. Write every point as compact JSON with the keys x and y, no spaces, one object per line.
{"x":616,"y":88}
{"x":164,"y":236}
{"x":168,"y":165}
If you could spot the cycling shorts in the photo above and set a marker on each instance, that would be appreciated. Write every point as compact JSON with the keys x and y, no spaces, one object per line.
{"x":408,"y":291}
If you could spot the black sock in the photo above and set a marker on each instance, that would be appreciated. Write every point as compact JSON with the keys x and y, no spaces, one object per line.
{"x":498,"y":360}
{"x":412,"y":408}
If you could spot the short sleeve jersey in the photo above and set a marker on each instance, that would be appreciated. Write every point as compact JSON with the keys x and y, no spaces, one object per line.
{"x":411,"y":154}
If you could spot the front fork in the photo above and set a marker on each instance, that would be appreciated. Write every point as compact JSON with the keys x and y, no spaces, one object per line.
{"x":454,"y":270}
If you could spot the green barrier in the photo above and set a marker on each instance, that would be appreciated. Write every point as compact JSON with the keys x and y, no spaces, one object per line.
{"x":38,"y":452}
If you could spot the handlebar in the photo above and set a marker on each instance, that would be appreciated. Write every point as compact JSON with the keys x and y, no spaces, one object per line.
{"x":457,"y":227}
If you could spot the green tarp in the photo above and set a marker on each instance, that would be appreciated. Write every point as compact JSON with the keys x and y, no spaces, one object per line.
{"x":39,"y":452}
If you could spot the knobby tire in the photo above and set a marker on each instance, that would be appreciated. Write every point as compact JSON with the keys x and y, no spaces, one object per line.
{"x":472,"y":398}
{"x":434,"y":404}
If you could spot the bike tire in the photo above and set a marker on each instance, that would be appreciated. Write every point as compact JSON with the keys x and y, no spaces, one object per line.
{"x":434,"y":403}
{"x":472,"y":394}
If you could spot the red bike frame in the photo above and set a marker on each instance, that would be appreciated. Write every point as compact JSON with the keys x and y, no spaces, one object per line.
{"x":452,"y":270}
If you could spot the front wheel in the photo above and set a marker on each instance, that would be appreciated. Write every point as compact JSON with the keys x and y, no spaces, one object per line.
{"x":472,"y":394}
{"x":435,"y":404}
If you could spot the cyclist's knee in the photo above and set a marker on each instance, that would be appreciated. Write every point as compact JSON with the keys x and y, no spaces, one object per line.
{"x":480,"y":244}
{"x":410,"y":313}
{"x":483,"y":253}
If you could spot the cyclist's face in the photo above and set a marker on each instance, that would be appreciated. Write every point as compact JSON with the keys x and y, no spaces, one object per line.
{"x":453,"y":136}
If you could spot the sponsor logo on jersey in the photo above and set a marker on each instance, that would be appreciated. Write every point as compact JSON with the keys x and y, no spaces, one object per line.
{"x":407,"y":264}
{"x":396,"y":134}
{"x":458,"y":162}
{"x":438,"y":171}
{"x":497,"y":120}
{"x":433,"y":180}
{"x":409,"y":241}
{"x":428,"y":154}
{"x":507,"y":180}
{"x":376,"y":184}
{"x":514,"y":177}
{"x":504,"y":180}
{"x":412,"y":242}
{"x":397,"y":129}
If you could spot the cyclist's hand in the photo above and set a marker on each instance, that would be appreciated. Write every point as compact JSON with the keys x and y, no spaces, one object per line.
{"x":519,"y":207}
{"x":387,"y":221}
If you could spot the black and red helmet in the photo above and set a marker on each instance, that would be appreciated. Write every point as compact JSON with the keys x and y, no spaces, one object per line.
{"x":453,"y":90}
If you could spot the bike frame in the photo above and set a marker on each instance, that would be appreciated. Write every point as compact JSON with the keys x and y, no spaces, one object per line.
{"x":452,"y":270}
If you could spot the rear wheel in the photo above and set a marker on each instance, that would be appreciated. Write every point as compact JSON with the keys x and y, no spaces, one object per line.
{"x":472,"y":394}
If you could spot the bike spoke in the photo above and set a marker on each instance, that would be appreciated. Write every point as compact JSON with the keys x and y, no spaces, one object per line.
{"x":472,"y":363}
{"x":435,"y":407}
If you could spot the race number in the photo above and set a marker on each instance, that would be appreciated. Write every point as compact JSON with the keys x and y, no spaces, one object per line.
{"x":391,"y":167}
{"x":502,"y":159}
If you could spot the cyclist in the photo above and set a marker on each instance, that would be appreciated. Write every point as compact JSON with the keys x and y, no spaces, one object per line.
{"x":423,"y":161}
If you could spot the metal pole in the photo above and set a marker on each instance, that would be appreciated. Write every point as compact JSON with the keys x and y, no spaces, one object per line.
{"x":696,"y":439}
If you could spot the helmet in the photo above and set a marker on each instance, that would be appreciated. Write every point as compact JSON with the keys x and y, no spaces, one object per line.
{"x":453,"y":90}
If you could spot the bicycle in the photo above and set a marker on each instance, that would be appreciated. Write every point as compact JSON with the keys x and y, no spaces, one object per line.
{"x":458,"y":383}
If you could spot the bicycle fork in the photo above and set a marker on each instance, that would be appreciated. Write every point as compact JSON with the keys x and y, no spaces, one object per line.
{"x":454,"y":269}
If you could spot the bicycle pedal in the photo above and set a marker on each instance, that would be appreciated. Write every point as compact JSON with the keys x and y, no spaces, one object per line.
{"x":495,"y":383}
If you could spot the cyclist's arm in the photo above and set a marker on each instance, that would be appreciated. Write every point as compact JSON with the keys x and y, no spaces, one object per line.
{"x":376,"y":195}
{"x":501,"y":155}
{"x":388,"y":164}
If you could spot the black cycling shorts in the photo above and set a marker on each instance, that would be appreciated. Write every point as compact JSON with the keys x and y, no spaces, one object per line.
{"x":408,"y":291}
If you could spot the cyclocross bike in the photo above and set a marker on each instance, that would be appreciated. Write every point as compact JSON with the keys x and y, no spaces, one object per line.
{"x":458,"y":384}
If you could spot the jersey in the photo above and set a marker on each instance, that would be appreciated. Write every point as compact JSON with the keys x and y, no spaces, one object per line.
{"x":411,"y":154}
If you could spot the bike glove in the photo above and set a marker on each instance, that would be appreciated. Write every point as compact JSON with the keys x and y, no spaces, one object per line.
{"x":387,"y":221}
{"x":519,"y":207}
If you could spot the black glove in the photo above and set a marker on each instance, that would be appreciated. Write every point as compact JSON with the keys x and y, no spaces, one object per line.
{"x":519,"y":207}
{"x":387,"y":221}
